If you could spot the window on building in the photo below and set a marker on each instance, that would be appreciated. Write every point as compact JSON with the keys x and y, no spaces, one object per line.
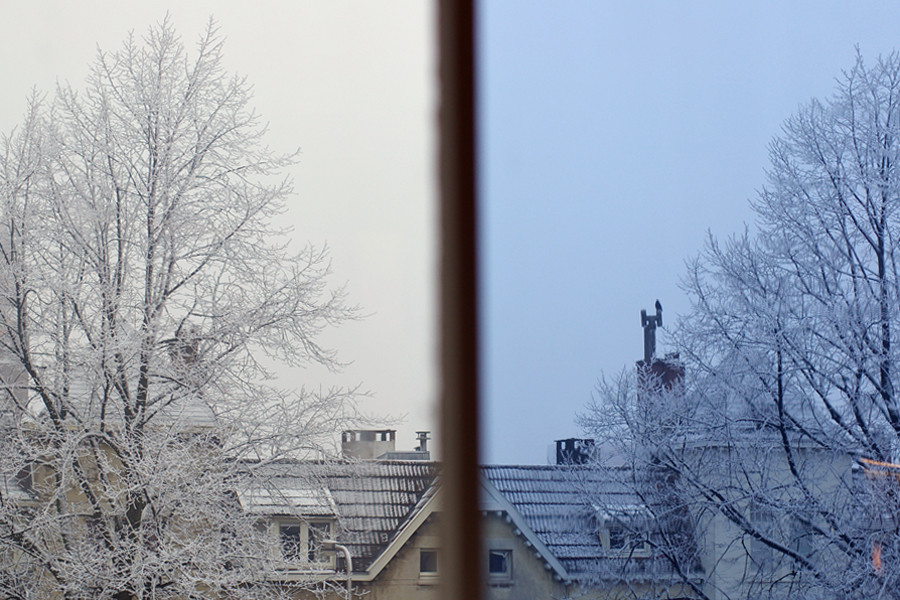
{"x":761,"y":519}
{"x":617,"y":537}
{"x":802,"y":537}
{"x":291,"y":541}
{"x":428,"y":562}
{"x":318,"y":531}
{"x":25,"y":478}
{"x":500,"y":564}
{"x":625,"y":535}
{"x":301,"y":541}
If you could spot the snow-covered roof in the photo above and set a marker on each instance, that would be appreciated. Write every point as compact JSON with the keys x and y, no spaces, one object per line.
{"x":565,"y":507}
{"x":298,"y":501}
{"x":375,"y":501}
{"x":613,"y":512}
{"x":192,"y":412}
{"x":372,"y":499}
{"x":188,"y":413}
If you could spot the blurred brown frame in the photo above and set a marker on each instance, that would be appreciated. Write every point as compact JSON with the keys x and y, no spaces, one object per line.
{"x":460,"y":569}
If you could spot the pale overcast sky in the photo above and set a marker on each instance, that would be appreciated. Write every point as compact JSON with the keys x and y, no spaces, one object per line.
{"x":354,"y":86}
{"x":614,"y":134}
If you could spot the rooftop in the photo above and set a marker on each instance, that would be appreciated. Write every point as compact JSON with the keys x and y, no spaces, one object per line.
{"x":566,"y":506}
{"x":372,"y":499}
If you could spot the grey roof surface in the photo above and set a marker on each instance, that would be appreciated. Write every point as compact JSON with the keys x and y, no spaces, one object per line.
{"x":564,"y":505}
{"x":188,"y":413}
{"x":306,"y":501}
{"x":373,"y":499}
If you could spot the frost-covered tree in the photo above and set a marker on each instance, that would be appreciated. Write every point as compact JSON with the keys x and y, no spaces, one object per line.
{"x":791,"y":422}
{"x":144,"y":296}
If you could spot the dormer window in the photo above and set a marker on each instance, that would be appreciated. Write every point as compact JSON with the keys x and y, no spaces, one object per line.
{"x":291,"y":539}
{"x":297,"y":520}
{"x":317,"y":532}
{"x":300,"y":543}
{"x":624,"y":530}
{"x":616,"y":537}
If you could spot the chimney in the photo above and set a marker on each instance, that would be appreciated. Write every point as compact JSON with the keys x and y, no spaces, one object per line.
{"x":657,"y":374}
{"x":649,"y":325}
{"x":661,"y":374}
{"x":367,"y":444}
{"x":423,"y":438}
{"x":574,"y":451}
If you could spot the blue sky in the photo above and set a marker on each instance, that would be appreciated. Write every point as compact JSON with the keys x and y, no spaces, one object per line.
{"x":614,"y":135}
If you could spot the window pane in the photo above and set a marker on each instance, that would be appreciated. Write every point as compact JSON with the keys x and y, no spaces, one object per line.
{"x":428,"y":561}
{"x":617,"y":538}
{"x":499,"y":562}
{"x":290,"y":542}
{"x":317,"y":533}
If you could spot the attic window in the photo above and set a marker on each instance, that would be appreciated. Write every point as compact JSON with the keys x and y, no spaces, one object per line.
{"x":500,"y":565}
{"x":428,"y":566}
{"x":428,"y":562}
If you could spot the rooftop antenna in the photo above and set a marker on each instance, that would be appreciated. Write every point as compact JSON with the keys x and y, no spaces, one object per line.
{"x":650,"y":324}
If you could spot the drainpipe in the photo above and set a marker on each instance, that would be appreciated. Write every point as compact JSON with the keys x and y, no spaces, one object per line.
{"x":349,"y":564}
